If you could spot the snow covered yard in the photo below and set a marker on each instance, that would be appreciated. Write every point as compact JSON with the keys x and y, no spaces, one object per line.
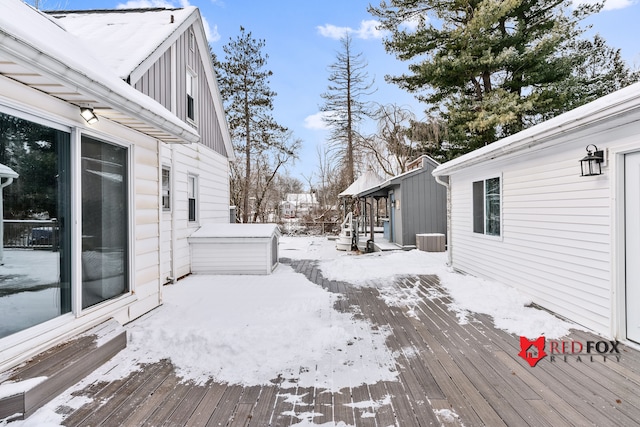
{"x":311,"y":343}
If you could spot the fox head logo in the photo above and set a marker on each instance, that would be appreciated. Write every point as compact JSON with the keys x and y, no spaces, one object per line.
{"x":532,"y":351}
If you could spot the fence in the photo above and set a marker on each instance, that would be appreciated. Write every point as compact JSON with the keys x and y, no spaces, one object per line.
{"x":31,"y":234}
{"x":313,"y":228}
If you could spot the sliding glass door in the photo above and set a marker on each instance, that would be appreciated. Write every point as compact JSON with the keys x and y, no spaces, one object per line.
{"x":104,"y":221}
{"x":35,"y":256}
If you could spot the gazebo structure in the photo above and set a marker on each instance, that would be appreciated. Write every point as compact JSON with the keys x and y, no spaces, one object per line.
{"x":7,"y":175}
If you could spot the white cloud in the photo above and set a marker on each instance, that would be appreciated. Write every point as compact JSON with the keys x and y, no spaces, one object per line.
{"x":367,"y":30}
{"x":609,"y":4}
{"x":412,"y":23}
{"x":333,"y":32}
{"x":316,"y":121}
{"x":211,"y":33}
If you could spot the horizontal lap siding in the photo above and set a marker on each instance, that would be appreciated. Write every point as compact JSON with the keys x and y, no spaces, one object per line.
{"x":212,"y":171}
{"x":207,"y":159}
{"x":227,"y":258}
{"x":147,"y":244}
{"x":555,"y":243}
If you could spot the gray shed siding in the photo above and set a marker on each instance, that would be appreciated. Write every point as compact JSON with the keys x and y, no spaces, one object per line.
{"x":156,"y":83}
{"x":424,"y":206}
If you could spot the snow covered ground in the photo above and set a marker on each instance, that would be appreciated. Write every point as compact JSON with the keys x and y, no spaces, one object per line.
{"x":250,"y":330}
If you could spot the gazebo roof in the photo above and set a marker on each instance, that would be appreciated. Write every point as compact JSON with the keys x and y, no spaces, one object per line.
{"x":366,"y":180}
{"x":7,"y":172}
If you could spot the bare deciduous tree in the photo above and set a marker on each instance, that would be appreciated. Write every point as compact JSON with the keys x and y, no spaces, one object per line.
{"x":344,"y":105}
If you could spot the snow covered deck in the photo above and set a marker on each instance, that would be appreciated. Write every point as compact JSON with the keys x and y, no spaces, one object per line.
{"x":449,"y":366}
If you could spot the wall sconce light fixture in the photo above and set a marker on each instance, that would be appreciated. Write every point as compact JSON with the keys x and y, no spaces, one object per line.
{"x":88,"y":114}
{"x":591,"y":164}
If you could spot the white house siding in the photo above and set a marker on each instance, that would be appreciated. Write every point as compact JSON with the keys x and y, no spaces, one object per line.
{"x":556,"y":234}
{"x":212,"y":170}
{"x":143,"y":184}
{"x":231,"y":256}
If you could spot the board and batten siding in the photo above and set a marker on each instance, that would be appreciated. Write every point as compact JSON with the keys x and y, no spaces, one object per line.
{"x":156,"y":83}
{"x":555,"y":239}
{"x":425,"y":206}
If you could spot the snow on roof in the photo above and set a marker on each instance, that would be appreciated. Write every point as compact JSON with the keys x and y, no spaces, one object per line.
{"x":366,"y":180}
{"x":595,"y":112}
{"x":236,"y":230}
{"x":34,"y":38}
{"x":298,"y":198}
{"x":124,"y":37}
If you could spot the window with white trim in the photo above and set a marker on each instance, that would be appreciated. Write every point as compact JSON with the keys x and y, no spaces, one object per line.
{"x":192,"y":197}
{"x":486,"y":207}
{"x":166,"y":189}
{"x":191,"y":94}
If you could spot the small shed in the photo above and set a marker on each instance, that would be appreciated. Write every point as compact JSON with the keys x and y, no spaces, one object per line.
{"x":417,"y":204}
{"x":234,"y":249}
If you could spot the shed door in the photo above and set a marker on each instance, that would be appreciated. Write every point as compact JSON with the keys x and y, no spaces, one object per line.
{"x":632,"y":242}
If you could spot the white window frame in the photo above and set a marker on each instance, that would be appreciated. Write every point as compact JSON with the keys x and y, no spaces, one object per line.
{"x":474,"y":206}
{"x":166,"y":199}
{"x":192,"y":41}
{"x":192,"y":195}
{"x":191,"y":89}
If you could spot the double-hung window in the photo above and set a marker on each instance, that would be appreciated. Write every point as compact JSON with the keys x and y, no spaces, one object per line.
{"x":191,"y":93}
{"x":166,"y":189}
{"x":192,"y":194}
{"x":486,"y":207}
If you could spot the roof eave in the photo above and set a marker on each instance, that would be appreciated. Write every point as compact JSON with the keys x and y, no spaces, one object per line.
{"x":108,"y":93}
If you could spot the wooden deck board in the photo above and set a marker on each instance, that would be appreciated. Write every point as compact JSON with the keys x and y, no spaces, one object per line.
{"x":283,"y":409}
{"x":186,"y":407}
{"x":226,"y":409}
{"x":207,"y":405}
{"x":449,"y":374}
{"x":263,"y":410}
{"x":151,"y":403}
{"x":341,"y":410}
{"x":169,"y":405}
{"x":144,"y":393}
{"x":323,"y":404}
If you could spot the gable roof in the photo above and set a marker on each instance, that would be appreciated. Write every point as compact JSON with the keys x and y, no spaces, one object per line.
{"x":124,"y":37}
{"x":39,"y":53}
{"x":420,"y":165}
{"x":595,"y":113}
{"x":132,"y":40}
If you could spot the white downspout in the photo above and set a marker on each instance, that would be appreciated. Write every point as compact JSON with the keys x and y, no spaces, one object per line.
{"x":449,"y":241}
{"x":172,"y":177}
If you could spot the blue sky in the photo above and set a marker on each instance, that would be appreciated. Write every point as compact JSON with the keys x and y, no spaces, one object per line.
{"x":302,"y":40}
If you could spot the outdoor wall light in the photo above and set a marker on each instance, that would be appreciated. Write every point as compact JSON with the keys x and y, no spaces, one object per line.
{"x":88,"y":114}
{"x":591,"y":164}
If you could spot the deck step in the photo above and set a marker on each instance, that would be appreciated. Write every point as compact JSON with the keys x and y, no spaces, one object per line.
{"x":36,"y":382}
